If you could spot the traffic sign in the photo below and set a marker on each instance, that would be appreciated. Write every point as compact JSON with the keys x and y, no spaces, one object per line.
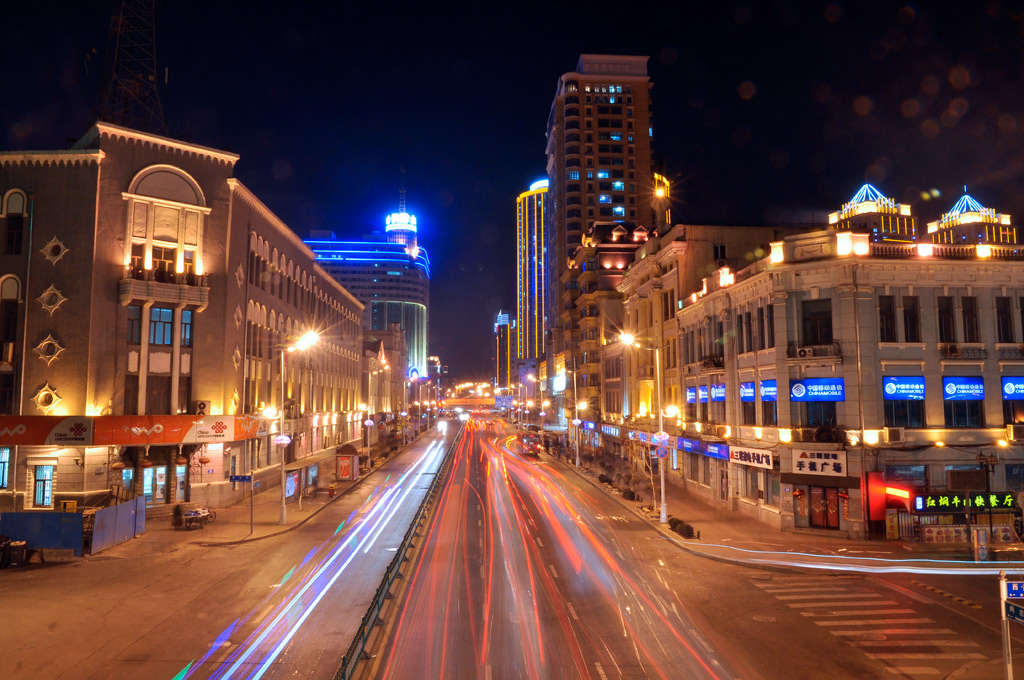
{"x":1014,"y":589}
{"x":662,"y":451}
{"x":240,"y":478}
{"x":1015,"y":612}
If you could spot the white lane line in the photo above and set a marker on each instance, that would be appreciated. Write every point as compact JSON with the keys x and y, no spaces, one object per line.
{"x":926,"y":656}
{"x":600,"y":670}
{"x":871,"y":622}
{"x":912,"y":643}
{"x":263,"y":614}
{"x":572,"y":611}
{"x":480,"y":523}
{"x":538,"y":541}
{"x":870,"y":612}
{"x":551,"y":567}
{"x":487,"y":672}
{"x":483,"y":574}
{"x":801,"y":605}
{"x":900,"y":631}
{"x":851,"y":596}
{"x":774,"y":591}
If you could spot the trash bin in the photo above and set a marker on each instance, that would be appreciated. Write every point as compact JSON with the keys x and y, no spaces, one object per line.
{"x":5,"y":551}
{"x":18,"y":554}
{"x":330,"y":490}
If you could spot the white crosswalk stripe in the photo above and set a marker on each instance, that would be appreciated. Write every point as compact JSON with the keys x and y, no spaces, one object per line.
{"x":884,"y":629}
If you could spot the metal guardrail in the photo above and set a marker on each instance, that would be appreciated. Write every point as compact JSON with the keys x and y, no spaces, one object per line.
{"x":354,"y":654}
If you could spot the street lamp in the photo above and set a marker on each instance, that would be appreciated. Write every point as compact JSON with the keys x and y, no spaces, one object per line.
{"x":661,"y":438}
{"x":305,"y":341}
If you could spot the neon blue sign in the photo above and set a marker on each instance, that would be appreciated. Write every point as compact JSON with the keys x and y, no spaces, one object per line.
{"x":903,"y":388}
{"x":1013,"y":388}
{"x":769,"y":390}
{"x":718,"y":392}
{"x":965,"y":389}
{"x":716,"y":451}
{"x":691,"y":395}
{"x":702,"y":393}
{"x":747,"y":391}
{"x":817,"y":389}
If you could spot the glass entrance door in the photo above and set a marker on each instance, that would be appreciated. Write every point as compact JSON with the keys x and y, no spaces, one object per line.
{"x":154,"y":484}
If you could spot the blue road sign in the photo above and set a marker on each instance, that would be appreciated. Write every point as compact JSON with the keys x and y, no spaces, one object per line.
{"x":240,"y":478}
{"x":662,"y":451}
{"x":1015,"y":612}
{"x":1015,"y":589}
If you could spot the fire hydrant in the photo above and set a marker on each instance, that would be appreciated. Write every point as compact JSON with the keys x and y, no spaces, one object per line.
{"x":330,"y":491}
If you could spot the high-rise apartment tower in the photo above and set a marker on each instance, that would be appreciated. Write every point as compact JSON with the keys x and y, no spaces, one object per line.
{"x":531,"y":271}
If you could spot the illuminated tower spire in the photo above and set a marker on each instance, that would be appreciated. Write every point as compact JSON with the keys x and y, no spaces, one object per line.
{"x":400,"y":226}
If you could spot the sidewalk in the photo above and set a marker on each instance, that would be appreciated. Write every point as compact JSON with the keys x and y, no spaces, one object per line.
{"x":731,"y":536}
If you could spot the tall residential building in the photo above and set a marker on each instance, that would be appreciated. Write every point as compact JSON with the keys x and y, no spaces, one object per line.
{"x":504,"y":341}
{"x":599,"y":165}
{"x":391,"y":277}
{"x":531,"y":271}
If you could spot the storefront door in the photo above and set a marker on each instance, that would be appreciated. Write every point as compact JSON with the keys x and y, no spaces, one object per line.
{"x":824,"y":507}
{"x":154,"y":484}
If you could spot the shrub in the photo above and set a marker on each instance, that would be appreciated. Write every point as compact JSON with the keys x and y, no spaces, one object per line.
{"x":683,"y":529}
{"x":604,"y":479}
{"x":628,"y":495}
{"x":673,"y":522}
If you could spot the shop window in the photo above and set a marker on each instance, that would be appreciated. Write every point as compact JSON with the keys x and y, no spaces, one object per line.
{"x":769,"y":413}
{"x":1014,"y":477}
{"x":748,"y":412}
{"x":910,"y":475}
{"x":904,"y":412}
{"x":1013,"y":411}
{"x":771,"y":490}
{"x":751,"y":481}
{"x":819,"y":413}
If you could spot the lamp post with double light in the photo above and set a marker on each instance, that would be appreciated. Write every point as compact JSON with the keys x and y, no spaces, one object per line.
{"x":305,"y":341}
{"x":661,"y":438}
{"x":989,"y":463}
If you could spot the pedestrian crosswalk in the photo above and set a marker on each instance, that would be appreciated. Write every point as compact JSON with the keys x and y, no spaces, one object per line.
{"x":892,"y":632}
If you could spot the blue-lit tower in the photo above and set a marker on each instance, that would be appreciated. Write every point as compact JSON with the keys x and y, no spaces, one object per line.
{"x":389,"y":275}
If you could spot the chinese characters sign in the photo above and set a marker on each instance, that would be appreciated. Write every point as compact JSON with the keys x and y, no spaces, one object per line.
{"x":769,"y":390}
{"x":911,"y":387}
{"x":817,"y":389}
{"x":831,"y":463}
{"x":967,"y":389}
{"x":761,"y":458}
{"x":956,"y":502}
{"x":718,"y":392}
{"x":747,"y":391}
{"x":1013,"y":388}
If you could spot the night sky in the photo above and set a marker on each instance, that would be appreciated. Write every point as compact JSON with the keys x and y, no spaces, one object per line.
{"x":763,"y":112}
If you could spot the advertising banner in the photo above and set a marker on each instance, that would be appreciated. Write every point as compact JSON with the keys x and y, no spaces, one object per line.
{"x":903,"y":387}
{"x":702,"y":393}
{"x":718,"y":392}
{"x":127,"y":430}
{"x":691,"y":395}
{"x":1013,"y":388}
{"x":769,"y":390}
{"x":747,"y":391}
{"x":819,"y":463}
{"x":761,"y":458}
{"x":963,"y":389}
{"x":817,"y":389}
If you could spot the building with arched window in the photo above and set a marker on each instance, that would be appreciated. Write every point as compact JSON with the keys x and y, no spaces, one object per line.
{"x":146,"y":300}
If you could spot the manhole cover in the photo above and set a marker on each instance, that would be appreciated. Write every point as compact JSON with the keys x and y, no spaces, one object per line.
{"x":765,"y":619}
{"x":872,"y":636}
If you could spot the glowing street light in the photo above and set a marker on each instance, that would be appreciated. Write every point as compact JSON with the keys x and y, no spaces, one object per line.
{"x":662,"y":436}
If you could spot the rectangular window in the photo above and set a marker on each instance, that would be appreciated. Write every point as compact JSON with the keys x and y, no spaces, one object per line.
{"x":161,"y":326}
{"x":904,"y":412}
{"x":969,"y":314}
{"x":820,"y":413}
{"x":7,"y":393}
{"x":769,"y":413}
{"x":158,"y":394}
{"x":186,"y":328}
{"x":15,"y":230}
{"x":964,"y":413}
{"x":43,"y":496}
{"x":749,"y":340}
{"x":760,"y":328}
{"x":1004,"y":320}
{"x":5,"y":466}
{"x":8,"y":320}
{"x":947,"y":323}
{"x":740,"y":335}
{"x":886,"y":318}
{"x":911,"y":319}
{"x":769,"y":322}
{"x":817,"y":322}
{"x":748,"y":411}
{"x":134,"y":324}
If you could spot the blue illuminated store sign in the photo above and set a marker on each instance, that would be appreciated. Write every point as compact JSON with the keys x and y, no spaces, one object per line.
{"x":718,"y":392}
{"x":690,"y":444}
{"x":691,"y":395}
{"x":747,"y":391}
{"x":716,"y":451}
{"x":1013,"y":388}
{"x":769,"y":390}
{"x":702,"y":393}
{"x":610,"y":430}
{"x":967,"y":389}
{"x":903,"y":388}
{"x":817,"y":389}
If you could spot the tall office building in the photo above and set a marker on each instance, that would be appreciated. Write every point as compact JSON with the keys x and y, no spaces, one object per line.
{"x":391,"y":277}
{"x":531,"y":271}
{"x":599,"y":165}
{"x":504,"y":341}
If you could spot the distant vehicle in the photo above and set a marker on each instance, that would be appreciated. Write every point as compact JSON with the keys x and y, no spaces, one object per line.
{"x":530,"y":444}
{"x":535,"y":428}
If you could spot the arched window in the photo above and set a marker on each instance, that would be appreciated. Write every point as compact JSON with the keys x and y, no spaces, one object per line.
{"x":15,"y":207}
{"x":10,"y":288}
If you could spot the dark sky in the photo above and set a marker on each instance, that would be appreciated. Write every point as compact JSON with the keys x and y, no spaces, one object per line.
{"x":763,"y":112}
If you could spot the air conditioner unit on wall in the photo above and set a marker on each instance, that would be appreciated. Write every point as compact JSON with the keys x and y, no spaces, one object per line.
{"x":201,"y":408}
{"x":804,"y":352}
{"x":894,"y":435}
{"x":1015,"y":431}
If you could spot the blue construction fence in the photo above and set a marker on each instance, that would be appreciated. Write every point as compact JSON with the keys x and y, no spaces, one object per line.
{"x":66,"y":530}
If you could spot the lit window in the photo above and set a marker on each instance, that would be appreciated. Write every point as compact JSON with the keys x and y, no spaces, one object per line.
{"x":616,"y":136}
{"x":601,"y":174}
{"x":604,"y":198}
{"x":574,"y":174}
{"x":618,"y":186}
{"x":611,"y":100}
{"x":590,"y":174}
{"x":650,"y":132}
{"x":619,"y":210}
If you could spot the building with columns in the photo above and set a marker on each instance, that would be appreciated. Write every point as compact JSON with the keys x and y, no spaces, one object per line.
{"x":147,"y":299}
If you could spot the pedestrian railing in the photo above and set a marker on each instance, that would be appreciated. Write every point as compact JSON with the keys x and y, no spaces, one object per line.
{"x":356,"y":650}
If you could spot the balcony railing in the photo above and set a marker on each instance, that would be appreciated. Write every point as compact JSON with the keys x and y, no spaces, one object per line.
{"x":713,"y":361}
{"x":954,"y":351}
{"x":796,"y":351}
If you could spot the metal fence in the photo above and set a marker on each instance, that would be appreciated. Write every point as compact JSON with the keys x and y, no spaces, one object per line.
{"x":372,"y":616}
{"x":118,"y":523}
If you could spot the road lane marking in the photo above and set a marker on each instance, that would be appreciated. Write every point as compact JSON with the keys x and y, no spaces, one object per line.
{"x":572,"y":611}
{"x":912,"y":643}
{"x":900,"y":631}
{"x":871,"y":622}
{"x":851,"y":596}
{"x":553,"y":572}
{"x":775,"y":591}
{"x":600,"y":670}
{"x":538,"y":541}
{"x":912,"y":670}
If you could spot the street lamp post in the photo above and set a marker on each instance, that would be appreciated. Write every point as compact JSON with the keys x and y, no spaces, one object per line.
{"x":575,"y":412}
{"x":988,"y":462}
{"x":307,"y":340}
{"x":661,"y":436}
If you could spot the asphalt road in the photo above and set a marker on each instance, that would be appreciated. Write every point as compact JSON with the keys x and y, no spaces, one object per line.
{"x":287,"y":606}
